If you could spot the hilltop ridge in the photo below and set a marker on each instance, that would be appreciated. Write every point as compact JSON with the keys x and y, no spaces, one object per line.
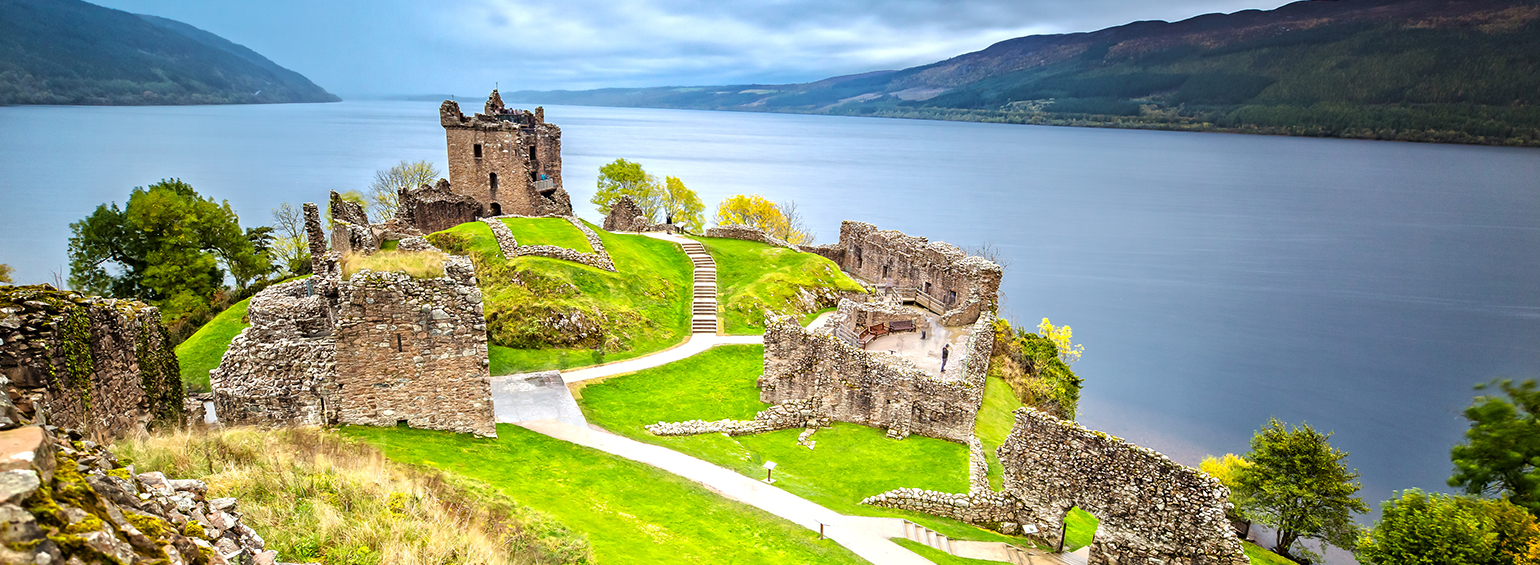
{"x":73,"y":52}
{"x":1464,"y":71}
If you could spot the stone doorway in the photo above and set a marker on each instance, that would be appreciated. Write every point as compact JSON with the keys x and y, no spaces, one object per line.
{"x":1078,"y":531}
{"x":497,"y":209}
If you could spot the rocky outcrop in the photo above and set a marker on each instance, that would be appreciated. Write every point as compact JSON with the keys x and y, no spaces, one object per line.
{"x":65,"y":499}
{"x":101,"y":365}
{"x":626,"y":216}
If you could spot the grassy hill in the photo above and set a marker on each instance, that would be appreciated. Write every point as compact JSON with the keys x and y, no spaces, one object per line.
{"x":73,"y":52}
{"x":1464,"y":71}
{"x":551,"y":314}
{"x":753,"y":277}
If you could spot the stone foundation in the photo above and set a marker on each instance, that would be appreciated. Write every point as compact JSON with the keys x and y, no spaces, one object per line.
{"x":599,"y":259}
{"x":749,"y":233}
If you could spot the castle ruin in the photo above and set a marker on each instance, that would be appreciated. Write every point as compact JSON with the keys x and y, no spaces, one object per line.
{"x":373,"y":348}
{"x":508,"y":160}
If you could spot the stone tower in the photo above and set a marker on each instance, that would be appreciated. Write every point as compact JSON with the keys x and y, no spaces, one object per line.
{"x":509,"y":160}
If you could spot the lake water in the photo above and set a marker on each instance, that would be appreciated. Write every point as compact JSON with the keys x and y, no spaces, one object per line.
{"x":1215,"y":280}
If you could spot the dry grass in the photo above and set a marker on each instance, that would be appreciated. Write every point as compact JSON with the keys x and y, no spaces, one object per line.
{"x":318,"y":497}
{"x":417,"y":264}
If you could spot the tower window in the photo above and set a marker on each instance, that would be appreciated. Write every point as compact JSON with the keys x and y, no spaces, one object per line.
{"x":492,"y":182}
{"x":478,"y":150}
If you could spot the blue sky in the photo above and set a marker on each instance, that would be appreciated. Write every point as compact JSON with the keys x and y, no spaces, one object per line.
{"x":394,"y":47}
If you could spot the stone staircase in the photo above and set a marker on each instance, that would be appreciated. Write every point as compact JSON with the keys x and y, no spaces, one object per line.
{"x":986,"y":551}
{"x":703,"y":309}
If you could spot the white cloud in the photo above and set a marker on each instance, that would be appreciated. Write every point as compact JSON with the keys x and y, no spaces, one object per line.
{"x":411,"y":46}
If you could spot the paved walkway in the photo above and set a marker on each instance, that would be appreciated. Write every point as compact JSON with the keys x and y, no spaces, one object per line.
{"x":534,"y":396}
{"x":867,"y":537}
{"x":697,"y":343}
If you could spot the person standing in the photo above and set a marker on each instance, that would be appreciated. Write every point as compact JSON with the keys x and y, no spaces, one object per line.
{"x":945,"y":349}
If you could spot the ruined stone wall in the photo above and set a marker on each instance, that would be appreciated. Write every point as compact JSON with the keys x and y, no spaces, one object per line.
{"x":101,"y":365}
{"x":979,"y":506}
{"x":856,"y":317}
{"x":437,"y":207}
{"x":748,"y":233}
{"x":414,"y":350}
{"x":626,"y":216}
{"x":281,"y":369}
{"x":516,"y":146}
{"x":967,"y":286}
{"x":1151,"y":508}
{"x":847,"y":384}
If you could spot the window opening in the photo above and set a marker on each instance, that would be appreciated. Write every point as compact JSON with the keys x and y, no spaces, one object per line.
{"x":478,"y":150}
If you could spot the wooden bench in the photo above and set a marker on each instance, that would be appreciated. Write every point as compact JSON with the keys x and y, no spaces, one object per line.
{"x":901,"y":326}
{"x":873,"y":332}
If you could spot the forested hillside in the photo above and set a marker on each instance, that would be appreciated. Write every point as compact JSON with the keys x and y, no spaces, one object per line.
{"x":1426,"y":70}
{"x":72,"y":52}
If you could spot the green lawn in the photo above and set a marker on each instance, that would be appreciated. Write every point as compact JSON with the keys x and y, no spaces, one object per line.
{"x":753,"y":277}
{"x":994,"y":423}
{"x":937,"y":556}
{"x":1261,"y":556}
{"x":202,"y":352}
{"x":1079,"y":529}
{"x":641,"y":309}
{"x":631,"y":512}
{"x":548,"y":231}
{"x":849,"y":463}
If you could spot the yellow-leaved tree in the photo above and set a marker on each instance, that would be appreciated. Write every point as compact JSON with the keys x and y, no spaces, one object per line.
{"x":1060,"y":336}
{"x":682,"y":205}
{"x":757,"y":211}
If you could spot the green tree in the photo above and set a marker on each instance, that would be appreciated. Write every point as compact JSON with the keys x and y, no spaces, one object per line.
{"x":168,"y":245}
{"x":1298,"y":485}
{"x":682,"y":205}
{"x":5,"y":273}
{"x":627,"y":178}
{"x":291,"y":246}
{"x":1438,"y":529}
{"x":384,"y":192}
{"x":1501,"y":453}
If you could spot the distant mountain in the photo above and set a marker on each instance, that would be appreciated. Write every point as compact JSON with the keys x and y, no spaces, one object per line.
{"x":1463,"y":71}
{"x":72,"y":52}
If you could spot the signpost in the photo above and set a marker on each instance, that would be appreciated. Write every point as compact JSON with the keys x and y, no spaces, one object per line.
{"x":769,"y":467}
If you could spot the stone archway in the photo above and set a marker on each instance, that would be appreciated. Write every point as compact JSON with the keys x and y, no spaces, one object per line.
{"x":1077,"y":529}
{"x":1150,"y":508}
{"x":497,"y":209}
